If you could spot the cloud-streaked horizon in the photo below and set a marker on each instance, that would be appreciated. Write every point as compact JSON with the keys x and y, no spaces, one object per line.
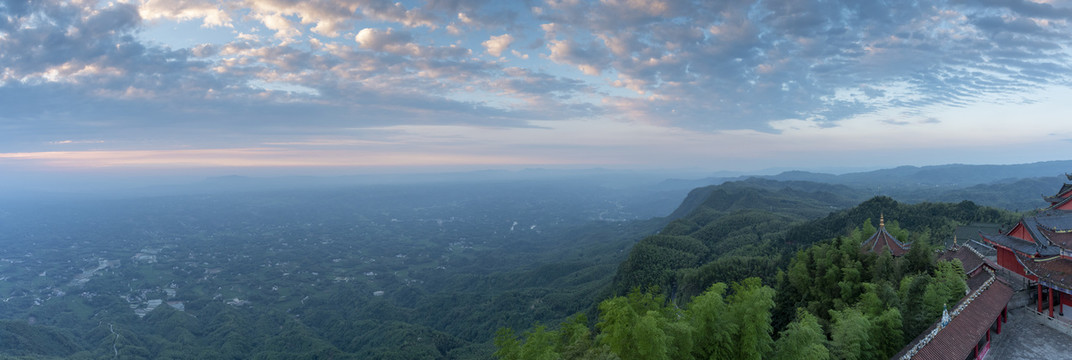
{"x":146,"y":76}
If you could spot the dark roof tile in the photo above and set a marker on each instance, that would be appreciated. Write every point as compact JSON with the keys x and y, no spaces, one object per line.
{"x":968,"y":258}
{"x":1053,"y":270}
{"x":1056,"y":220}
{"x":1021,"y":246}
{"x":958,"y":338}
{"x":1064,"y":188}
{"x":883,"y":241}
{"x":1062,"y":239}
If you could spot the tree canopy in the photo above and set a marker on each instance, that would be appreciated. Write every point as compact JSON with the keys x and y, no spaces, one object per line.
{"x":844,"y":303}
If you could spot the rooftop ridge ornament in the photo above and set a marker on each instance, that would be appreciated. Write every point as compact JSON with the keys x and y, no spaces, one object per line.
{"x":881,"y":220}
{"x":945,"y":315}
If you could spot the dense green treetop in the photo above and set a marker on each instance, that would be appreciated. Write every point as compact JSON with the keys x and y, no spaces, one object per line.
{"x":824,"y":298}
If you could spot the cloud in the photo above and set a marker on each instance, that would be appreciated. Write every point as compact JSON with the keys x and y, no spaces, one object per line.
{"x":591,"y":58}
{"x":1041,"y":10}
{"x":40,"y":38}
{"x":74,"y":70}
{"x":210,"y":13}
{"x":497,"y":44}
{"x":284,"y":28}
{"x":382,"y":40}
{"x":289,"y":18}
{"x":743,"y":65}
{"x":262,"y":157}
{"x":94,"y":78}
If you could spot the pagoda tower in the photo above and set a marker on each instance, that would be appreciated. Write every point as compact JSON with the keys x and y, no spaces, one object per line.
{"x":883,"y":241}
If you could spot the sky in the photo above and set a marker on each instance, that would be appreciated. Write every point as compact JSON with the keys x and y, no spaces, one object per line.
{"x":292,"y":87}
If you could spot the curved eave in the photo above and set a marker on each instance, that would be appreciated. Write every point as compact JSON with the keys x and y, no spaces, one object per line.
{"x":888,"y":241}
{"x":1066,"y":189}
{"x":1020,"y":246}
{"x":1060,"y":204}
{"x":1046,"y":279}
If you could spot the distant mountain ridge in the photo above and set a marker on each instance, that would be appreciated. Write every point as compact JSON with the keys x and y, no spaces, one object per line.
{"x":951,"y":175}
{"x":1015,"y":187}
{"x":955,"y":175}
{"x":741,"y":195}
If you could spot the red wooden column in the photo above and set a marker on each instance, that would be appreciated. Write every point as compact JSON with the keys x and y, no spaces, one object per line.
{"x":1050,"y":298}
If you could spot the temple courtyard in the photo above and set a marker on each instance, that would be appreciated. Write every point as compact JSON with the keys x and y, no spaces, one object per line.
{"x":1025,"y":337}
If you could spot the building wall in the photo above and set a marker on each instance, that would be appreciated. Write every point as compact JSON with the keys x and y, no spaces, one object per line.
{"x":1021,"y":232}
{"x":1007,"y":259}
{"x":1066,"y":206}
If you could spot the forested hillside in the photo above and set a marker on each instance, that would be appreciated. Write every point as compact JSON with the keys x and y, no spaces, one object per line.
{"x":751,"y":228}
{"x":809,"y":289}
{"x":731,"y":231}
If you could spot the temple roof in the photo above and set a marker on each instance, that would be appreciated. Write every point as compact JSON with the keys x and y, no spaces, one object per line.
{"x":1051,"y":229}
{"x":1062,"y":196}
{"x":883,"y":241}
{"x":1055,"y":221}
{"x":1032,"y":226}
{"x":1022,"y":246}
{"x":958,"y":338}
{"x":1053,"y":270}
{"x":1065,"y":188}
{"x":977,"y":281}
{"x":968,"y":258}
{"x":1062,"y":239}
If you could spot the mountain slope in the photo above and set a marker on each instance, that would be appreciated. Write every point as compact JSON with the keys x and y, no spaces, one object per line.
{"x":743,"y":229}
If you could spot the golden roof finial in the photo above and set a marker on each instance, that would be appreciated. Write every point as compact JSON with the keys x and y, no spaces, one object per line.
{"x":881,"y":220}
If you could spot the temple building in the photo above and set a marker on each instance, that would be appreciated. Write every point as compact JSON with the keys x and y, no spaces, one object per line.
{"x":965,"y":331}
{"x":1039,"y":248}
{"x":883,"y":241}
{"x":970,"y":259}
